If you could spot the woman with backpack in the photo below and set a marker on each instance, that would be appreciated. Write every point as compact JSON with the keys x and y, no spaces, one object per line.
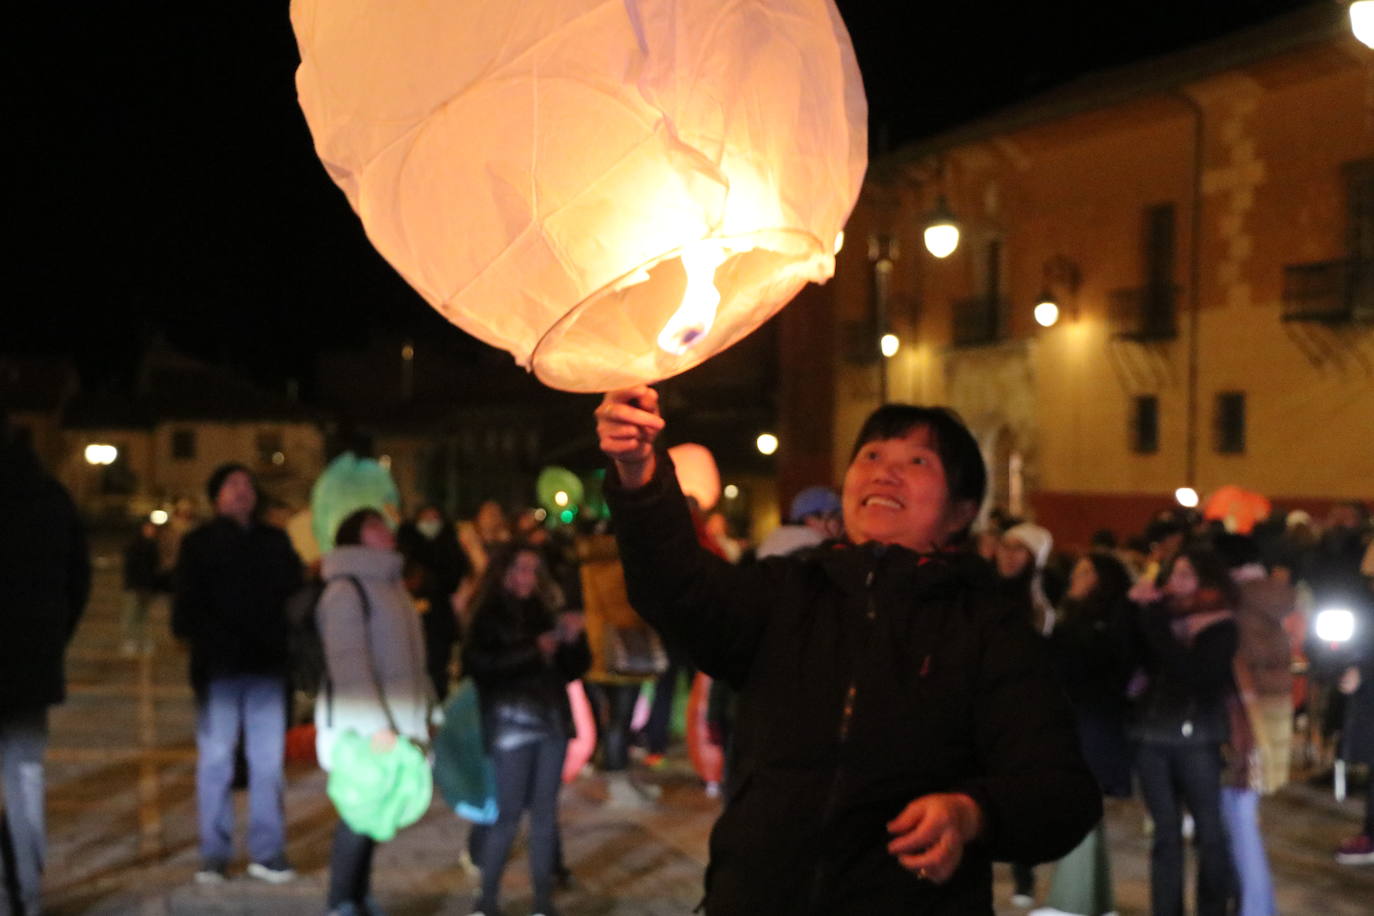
{"x":376,"y":682}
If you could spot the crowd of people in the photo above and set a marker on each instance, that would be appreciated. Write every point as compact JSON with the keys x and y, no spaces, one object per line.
{"x":945,"y":688}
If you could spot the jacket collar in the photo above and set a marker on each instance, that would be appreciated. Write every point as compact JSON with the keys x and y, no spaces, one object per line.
{"x":849,"y":566}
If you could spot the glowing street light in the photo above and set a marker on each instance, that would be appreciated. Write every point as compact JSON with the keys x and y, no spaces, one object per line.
{"x":767,"y":443}
{"x":560,"y":498}
{"x":101,"y":454}
{"x":1046,"y":311}
{"x":1186,"y":497}
{"x":942,"y":232}
{"x":1362,"y":21}
{"x":158,"y":516}
{"x":731,"y":491}
{"x":889,"y":344}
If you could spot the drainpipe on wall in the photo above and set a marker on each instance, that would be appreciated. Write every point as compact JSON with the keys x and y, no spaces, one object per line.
{"x":1194,"y":290}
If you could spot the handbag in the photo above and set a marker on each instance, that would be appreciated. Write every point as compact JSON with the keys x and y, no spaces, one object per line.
{"x":377,"y":792}
{"x":634,"y":652}
{"x":462,"y":768}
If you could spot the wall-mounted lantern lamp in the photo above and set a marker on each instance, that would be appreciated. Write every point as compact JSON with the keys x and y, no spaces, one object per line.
{"x":1362,"y":21}
{"x":1057,"y":294}
{"x":942,"y":230}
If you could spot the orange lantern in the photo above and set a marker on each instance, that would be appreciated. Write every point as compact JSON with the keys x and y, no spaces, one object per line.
{"x":611,"y":190}
{"x":1237,"y":508}
{"x":697,"y":473}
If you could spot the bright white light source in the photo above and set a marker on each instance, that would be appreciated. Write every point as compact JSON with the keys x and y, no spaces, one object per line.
{"x":942,"y":239}
{"x":560,"y":498}
{"x":694,"y":317}
{"x":1362,"y":21}
{"x":158,"y":516}
{"x":1334,"y":624}
{"x":889,"y":344}
{"x":731,"y":491}
{"x":1186,"y":497}
{"x":767,"y":443}
{"x":99,"y":454}
{"x":1046,"y":314}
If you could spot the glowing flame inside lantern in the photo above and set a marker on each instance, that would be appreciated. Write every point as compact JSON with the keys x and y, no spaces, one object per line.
{"x":694,"y":317}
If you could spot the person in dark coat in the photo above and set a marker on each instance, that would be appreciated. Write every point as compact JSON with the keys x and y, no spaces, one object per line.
{"x":142,"y":581}
{"x":521,"y":655}
{"x":1188,"y":642}
{"x":45,"y":579}
{"x":233,"y":578}
{"x":1094,"y":656}
{"x":435,"y":566}
{"x":899,"y":725}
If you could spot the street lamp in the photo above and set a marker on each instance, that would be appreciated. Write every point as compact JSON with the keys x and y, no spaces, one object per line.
{"x":767,"y":443}
{"x":1186,"y":497}
{"x":1362,"y":21}
{"x":942,"y":232}
{"x":889,"y":344}
{"x":1046,"y":310}
{"x":100,"y":454}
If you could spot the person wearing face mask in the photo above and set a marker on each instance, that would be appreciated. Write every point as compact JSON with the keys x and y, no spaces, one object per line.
{"x":898,"y":723}
{"x":1188,"y":641}
{"x":435,"y":566}
{"x":375,"y":662}
{"x":522,"y":654}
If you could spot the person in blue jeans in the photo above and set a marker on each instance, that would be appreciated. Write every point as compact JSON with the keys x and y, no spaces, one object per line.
{"x":1188,"y":638}
{"x":521,"y":656}
{"x":233,"y":577}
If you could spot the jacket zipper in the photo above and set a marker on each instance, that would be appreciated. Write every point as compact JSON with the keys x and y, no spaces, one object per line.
{"x":851,"y":694}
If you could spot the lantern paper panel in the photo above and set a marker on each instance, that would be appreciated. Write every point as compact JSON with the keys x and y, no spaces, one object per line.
{"x":549,"y":173}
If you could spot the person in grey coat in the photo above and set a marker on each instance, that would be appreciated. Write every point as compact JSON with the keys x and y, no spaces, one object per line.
{"x":374,"y":655}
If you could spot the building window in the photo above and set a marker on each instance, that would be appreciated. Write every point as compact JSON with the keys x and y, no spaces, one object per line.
{"x":1146,"y":312}
{"x":1230,"y":422}
{"x":183,"y":444}
{"x":1145,"y":425}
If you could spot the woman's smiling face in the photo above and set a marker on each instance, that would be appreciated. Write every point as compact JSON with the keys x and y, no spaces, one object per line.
{"x":895,"y":492}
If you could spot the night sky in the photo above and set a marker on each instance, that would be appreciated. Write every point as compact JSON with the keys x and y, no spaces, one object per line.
{"x":164,"y":180}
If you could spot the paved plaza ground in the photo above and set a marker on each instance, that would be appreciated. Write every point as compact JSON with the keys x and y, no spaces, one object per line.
{"x":122,"y":835}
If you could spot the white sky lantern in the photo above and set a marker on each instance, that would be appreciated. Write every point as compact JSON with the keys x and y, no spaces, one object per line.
{"x":697,"y":473}
{"x":611,"y":190}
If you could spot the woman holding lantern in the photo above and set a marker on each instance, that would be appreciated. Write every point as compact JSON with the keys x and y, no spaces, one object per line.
{"x":898,"y":726}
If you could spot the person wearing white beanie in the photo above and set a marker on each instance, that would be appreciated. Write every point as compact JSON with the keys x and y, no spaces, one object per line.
{"x":1023,"y":552}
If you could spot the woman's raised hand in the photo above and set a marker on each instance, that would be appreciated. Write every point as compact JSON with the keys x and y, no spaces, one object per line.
{"x":627,"y":422}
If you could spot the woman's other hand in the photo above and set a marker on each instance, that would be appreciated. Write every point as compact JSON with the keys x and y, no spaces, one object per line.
{"x":383,"y":741}
{"x":627,"y":422}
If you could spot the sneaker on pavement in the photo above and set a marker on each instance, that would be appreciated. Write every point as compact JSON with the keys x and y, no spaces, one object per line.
{"x":212,"y":873}
{"x":277,"y":872}
{"x":1358,"y":850}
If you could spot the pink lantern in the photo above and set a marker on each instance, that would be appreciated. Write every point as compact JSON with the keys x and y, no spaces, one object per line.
{"x":611,"y":190}
{"x":697,"y":473}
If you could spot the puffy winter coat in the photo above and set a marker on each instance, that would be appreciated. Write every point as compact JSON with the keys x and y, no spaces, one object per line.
{"x":867,"y":678}
{"x":362,"y":651}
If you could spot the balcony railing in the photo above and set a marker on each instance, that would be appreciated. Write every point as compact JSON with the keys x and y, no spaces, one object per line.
{"x":1144,"y":313}
{"x":1331,"y":292}
{"x":978,"y":321}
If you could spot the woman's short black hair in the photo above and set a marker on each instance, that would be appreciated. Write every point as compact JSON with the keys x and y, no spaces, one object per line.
{"x":965,"y":474}
{"x":350,"y":533}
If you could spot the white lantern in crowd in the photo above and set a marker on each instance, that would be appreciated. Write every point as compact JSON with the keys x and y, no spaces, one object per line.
{"x":697,"y":473}
{"x":611,"y":190}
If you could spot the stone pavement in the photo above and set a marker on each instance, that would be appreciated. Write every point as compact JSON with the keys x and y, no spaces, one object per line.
{"x":122,"y":835}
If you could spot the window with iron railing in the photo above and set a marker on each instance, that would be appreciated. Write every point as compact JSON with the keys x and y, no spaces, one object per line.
{"x":1333,"y":292}
{"x":1144,"y":313}
{"x":1145,"y":425}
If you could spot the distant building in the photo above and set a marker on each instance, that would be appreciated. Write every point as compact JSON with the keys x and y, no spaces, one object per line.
{"x":1204,"y":223}
{"x":183,"y":420}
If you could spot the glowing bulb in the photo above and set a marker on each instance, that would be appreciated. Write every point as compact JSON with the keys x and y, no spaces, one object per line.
{"x":889,"y":345}
{"x":1186,"y":497}
{"x":1046,"y":314}
{"x":767,"y":443}
{"x":1362,"y":21}
{"x":696,"y":314}
{"x":1334,"y":625}
{"x":942,"y":239}
{"x":97,"y":453}
{"x":560,"y":498}
{"x":158,"y":516}
{"x":731,"y":491}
